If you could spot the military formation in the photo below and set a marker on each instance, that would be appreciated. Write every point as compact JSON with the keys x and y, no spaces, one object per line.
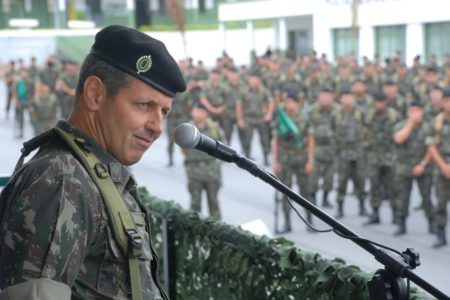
{"x":382,"y":125}
{"x":46,"y":93}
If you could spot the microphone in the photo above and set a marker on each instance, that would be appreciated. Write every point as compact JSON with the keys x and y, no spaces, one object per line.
{"x":187,"y":136}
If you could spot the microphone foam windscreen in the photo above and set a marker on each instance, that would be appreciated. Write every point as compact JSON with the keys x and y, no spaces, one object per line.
{"x":186,"y":136}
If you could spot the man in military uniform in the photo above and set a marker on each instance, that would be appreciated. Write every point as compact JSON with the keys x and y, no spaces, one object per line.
{"x":394,"y":99}
{"x":254,"y":111}
{"x":23,"y":92}
{"x":293,"y":149}
{"x":10,"y":79}
{"x":321,"y":114}
{"x":412,"y":164}
{"x":43,"y":109}
{"x":232,"y":93}
{"x":66,"y":85}
{"x":433,"y":105}
{"x":380,"y":122}
{"x":348,"y":124}
{"x":86,"y":234}
{"x":440,"y":152}
{"x":203,"y":170}
{"x":212,"y":96}
{"x":49,"y":74}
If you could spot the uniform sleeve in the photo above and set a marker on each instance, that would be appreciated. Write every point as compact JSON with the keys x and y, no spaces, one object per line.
{"x":46,"y":230}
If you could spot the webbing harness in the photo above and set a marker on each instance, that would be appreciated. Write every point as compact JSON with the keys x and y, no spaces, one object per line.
{"x":124,"y":230}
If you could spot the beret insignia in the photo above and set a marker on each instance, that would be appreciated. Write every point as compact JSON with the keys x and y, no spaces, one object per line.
{"x":143,"y":64}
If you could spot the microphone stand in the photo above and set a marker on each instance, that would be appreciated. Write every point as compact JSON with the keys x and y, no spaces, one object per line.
{"x":386,"y":283}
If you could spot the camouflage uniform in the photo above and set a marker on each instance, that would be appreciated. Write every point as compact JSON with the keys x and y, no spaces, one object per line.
{"x":43,"y":112}
{"x":203,"y":172}
{"x":10,"y":77}
{"x":410,"y":154}
{"x":67,"y":101}
{"x":215,"y":95}
{"x":232,"y":94}
{"x":49,"y":76}
{"x":349,"y":133}
{"x":53,"y":226}
{"x":252,"y":103}
{"x":441,"y":139}
{"x":292,"y":157}
{"x":178,"y":114}
{"x":325,"y":149}
{"x":399,"y":104}
{"x":381,"y":158}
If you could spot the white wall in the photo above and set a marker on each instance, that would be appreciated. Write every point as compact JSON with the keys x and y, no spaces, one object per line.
{"x":201,"y":45}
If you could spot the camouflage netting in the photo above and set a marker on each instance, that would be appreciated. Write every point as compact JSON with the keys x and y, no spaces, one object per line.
{"x":218,"y":261}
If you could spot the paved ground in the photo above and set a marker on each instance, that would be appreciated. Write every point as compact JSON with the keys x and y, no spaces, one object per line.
{"x":244,"y":198}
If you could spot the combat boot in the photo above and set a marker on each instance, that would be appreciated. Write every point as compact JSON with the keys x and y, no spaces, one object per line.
{"x":401,"y":230}
{"x":340,"y":211}
{"x":374,"y":218}
{"x":287,"y":224}
{"x":362,"y":208}
{"x":431,"y":227}
{"x":325,"y":202}
{"x":441,"y":240}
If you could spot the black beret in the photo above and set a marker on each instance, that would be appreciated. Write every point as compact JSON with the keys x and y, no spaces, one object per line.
{"x":416,"y":103}
{"x":346,"y":91}
{"x":326,"y":89}
{"x":199,"y":105}
{"x":291,"y":94}
{"x":446,"y":93}
{"x":379,"y":96}
{"x":141,"y":56}
{"x":432,"y":69}
{"x":389,"y":82}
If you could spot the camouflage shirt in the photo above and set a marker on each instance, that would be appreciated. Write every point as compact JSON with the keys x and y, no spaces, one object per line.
{"x":349,"y":132}
{"x":199,"y":165}
{"x":413,"y":150}
{"x":381,"y":148}
{"x":53,"y":225}
{"x":253,"y":103}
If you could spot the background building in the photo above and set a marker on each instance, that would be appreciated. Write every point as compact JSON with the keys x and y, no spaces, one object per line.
{"x":373,"y":27}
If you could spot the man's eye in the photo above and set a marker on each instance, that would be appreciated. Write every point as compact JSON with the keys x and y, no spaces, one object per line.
{"x":142,"y":105}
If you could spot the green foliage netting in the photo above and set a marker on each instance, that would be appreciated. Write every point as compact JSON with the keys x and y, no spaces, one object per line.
{"x":218,"y":261}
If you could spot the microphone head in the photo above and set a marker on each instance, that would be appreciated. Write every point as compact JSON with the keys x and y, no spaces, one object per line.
{"x":186,"y":136}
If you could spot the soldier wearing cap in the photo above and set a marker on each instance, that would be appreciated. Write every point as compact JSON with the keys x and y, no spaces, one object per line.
{"x":394,"y":99}
{"x":412,"y":164}
{"x":72,"y":225}
{"x":439,"y":148}
{"x":348,"y":125}
{"x":203,"y":171}
{"x":293,"y":148}
{"x":66,"y":87}
{"x":380,"y":122}
{"x":254,"y":111}
{"x":325,"y":144}
{"x":43,"y":109}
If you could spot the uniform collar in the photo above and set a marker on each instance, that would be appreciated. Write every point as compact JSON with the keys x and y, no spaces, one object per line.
{"x":119,"y":173}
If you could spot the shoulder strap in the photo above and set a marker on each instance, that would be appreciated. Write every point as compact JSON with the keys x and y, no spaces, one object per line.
{"x":124,"y":228}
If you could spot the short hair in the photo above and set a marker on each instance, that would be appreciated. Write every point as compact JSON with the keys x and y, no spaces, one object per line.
{"x":113,"y":78}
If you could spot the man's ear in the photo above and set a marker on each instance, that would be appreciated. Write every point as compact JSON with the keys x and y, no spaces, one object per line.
{"x":94,"y":92}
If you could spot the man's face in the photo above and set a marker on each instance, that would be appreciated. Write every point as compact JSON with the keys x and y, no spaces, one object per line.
{"x":380,"y":106}
{"x":359,"y":88}
{"x":348,"y":101}
{"x":132,"y":121}
{"x":199,"y":115}
{"x":326,"y":99}
{"x":390,"y":90}
{"x":432,"y":77}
